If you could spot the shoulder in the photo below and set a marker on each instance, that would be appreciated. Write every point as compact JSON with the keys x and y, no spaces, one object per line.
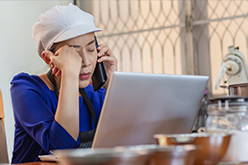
{"x":24,"y":80}
{"x":22,"y":77}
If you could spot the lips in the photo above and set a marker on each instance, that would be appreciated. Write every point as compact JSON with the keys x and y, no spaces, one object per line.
{"x":84,"y":76}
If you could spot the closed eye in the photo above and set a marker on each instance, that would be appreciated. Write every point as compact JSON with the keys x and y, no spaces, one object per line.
{"x":91,"y":50}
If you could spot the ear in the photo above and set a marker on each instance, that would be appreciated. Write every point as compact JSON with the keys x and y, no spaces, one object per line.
{"x":47,"y":59}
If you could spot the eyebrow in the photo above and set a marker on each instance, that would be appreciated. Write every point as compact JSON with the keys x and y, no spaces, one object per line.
{"x":90,"y":42}
{"x":75,"y":46}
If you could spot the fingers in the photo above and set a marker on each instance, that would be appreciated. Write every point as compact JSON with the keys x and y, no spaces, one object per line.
{"x":104,"y":50}
{"x":106,"y":55}
{"x":58,"y":73}
{"x":105,"y":58}
{"x":55,"y":70}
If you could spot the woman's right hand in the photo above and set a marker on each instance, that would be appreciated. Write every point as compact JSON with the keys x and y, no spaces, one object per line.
{"x":67,"y":63}
{"x":65,"y":59}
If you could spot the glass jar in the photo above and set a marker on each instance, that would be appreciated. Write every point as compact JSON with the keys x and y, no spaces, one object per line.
{"x":227,"y":113}
{"x":230,"y":114}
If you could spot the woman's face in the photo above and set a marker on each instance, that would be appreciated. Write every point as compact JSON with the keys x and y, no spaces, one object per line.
{"x":85,"y":46}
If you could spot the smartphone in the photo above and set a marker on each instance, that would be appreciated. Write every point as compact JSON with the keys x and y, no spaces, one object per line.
{"x":99,"y":76}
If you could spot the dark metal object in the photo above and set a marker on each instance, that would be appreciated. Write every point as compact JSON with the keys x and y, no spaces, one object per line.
{"x":202,"y":115}
{"x":237,"y":89}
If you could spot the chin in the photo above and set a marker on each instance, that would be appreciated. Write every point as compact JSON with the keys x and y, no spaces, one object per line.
{"x":84,"y":83}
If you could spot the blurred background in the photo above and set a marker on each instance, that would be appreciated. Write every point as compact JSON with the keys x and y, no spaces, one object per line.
{"x":151,"y":36}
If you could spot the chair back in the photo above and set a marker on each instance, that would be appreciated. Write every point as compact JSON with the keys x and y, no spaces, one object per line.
{"x":3,"y":145}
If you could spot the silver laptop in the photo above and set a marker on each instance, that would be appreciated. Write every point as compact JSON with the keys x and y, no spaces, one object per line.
{"x":139,"y":105}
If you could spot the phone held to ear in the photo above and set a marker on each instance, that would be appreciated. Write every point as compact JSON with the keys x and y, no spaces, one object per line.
{"x":99,"y":76}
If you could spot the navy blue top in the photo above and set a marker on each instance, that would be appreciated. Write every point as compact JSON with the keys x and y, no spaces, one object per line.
{"x":36,"y":131}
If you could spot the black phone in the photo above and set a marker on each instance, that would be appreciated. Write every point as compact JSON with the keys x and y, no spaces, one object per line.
{"x":99,"y":76}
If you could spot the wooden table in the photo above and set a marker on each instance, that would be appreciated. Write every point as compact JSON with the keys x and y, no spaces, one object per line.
{"x":54,"y":163}
{"x":39,"y":163}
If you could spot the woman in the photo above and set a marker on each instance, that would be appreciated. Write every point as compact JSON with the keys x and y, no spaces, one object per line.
{"x":50,"y":110}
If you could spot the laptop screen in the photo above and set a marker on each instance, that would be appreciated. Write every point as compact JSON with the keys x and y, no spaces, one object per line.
{"x":139,"y":105}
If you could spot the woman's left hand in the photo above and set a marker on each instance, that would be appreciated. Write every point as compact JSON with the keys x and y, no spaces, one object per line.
{"x":108,"y":59}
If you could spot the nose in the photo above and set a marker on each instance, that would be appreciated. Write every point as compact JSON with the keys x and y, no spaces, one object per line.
{"x":85,"y":59}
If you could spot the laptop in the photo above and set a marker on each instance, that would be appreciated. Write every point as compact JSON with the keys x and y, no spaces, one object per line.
{"x":139,"y":105}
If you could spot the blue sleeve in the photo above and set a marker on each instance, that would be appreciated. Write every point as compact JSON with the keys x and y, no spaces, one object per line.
{"x":37,"y":118}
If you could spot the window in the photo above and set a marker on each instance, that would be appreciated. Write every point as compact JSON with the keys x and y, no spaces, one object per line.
{"x":171,"y":36}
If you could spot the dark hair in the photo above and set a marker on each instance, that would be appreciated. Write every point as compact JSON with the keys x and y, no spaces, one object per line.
{"x":53,"y":47}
